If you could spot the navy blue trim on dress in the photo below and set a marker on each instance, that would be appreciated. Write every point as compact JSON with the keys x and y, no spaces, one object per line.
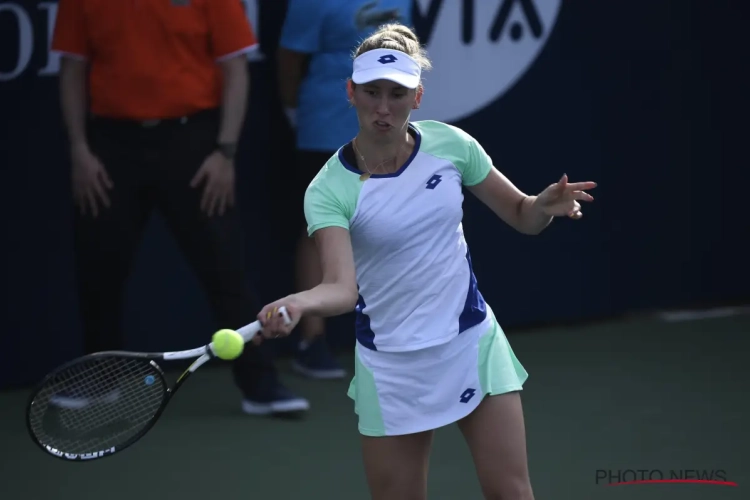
{"x":363,"y":330}
{"x":475,"y":309}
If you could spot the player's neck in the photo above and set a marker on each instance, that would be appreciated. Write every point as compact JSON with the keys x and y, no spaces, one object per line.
{"x":380,"y":157}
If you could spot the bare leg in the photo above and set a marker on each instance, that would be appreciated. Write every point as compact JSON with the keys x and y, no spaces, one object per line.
{"x":309,"y":275}
{"x":496,"y":435}
{"x":396,"y":466}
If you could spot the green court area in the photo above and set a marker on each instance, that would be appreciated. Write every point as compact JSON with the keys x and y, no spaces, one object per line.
{"x":636,"y":394}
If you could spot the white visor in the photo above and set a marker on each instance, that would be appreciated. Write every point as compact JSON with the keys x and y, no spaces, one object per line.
{"x":387,"y":64}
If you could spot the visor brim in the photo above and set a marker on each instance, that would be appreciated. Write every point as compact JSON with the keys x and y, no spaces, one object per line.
{"x":370,"y":75}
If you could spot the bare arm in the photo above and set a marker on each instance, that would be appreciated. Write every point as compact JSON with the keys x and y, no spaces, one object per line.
{"x":73,"y":99}
{"x":517,"y":209}
{"x":236,"y":85}
{"x":292,"y":67}
{"x":337,"y":293}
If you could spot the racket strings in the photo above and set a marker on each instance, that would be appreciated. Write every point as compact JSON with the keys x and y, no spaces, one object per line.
{"x":109,"y":387}
{"x":97,"y":404}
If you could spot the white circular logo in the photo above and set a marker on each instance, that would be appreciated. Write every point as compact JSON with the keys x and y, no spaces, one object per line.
{"x":479,"y":49}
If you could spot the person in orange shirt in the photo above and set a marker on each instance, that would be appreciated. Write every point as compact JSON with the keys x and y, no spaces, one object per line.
{"x":153,"y":95}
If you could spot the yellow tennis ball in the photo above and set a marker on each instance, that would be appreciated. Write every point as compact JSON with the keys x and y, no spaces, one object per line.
{"x":227,"y":344}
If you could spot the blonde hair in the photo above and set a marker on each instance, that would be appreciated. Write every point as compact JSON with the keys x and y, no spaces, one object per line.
{"x":396,"y":36}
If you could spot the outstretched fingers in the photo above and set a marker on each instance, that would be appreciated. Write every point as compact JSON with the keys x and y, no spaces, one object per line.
{"x":582,"y":196}
{"x":580,"y":186}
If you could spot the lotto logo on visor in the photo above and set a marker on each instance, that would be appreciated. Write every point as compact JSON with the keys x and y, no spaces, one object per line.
{"x":386,"y":64}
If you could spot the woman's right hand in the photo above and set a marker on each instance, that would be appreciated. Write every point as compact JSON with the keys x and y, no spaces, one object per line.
{"x":90,"y":181}
{"x":273,"y":322}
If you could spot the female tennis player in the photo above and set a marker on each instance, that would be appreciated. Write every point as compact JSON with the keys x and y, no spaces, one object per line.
{"x":385,"y":212}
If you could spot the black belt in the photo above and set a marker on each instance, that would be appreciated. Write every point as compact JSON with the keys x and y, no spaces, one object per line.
{"x":158,"y":122}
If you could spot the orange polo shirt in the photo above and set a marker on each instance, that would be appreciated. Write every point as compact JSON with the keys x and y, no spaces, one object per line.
{"x":152,"y":59}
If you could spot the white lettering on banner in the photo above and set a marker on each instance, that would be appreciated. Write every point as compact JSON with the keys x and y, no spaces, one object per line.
{"x":53,"y":60}
{"x":479,"y":50}
{"x":25,"y":40}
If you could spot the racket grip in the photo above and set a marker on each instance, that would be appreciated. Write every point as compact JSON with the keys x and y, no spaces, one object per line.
{"x":251,"y":330}
{"x":285,"y":314}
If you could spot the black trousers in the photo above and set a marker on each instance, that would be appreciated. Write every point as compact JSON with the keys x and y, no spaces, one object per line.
{"x":151,"y":166}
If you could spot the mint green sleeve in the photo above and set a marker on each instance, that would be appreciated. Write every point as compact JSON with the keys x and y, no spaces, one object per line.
{"x":455,"y":145}
{"x":331,"y":198}
{"x":477,"y":165}
{"x":323,"y":208}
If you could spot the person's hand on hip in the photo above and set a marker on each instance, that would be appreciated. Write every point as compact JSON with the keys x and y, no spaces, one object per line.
{"x":218,"y":192}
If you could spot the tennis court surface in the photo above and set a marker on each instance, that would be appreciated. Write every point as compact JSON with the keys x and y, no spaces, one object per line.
{"x":668,"y":397}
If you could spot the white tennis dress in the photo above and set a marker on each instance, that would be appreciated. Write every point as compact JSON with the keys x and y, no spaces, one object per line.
{"x":428,"y":346}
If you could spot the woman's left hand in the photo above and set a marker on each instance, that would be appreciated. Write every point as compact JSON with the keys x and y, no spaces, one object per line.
{"x":561,"y":199}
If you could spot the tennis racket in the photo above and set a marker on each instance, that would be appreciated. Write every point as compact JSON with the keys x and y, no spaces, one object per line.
{"x":102,"y":403}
